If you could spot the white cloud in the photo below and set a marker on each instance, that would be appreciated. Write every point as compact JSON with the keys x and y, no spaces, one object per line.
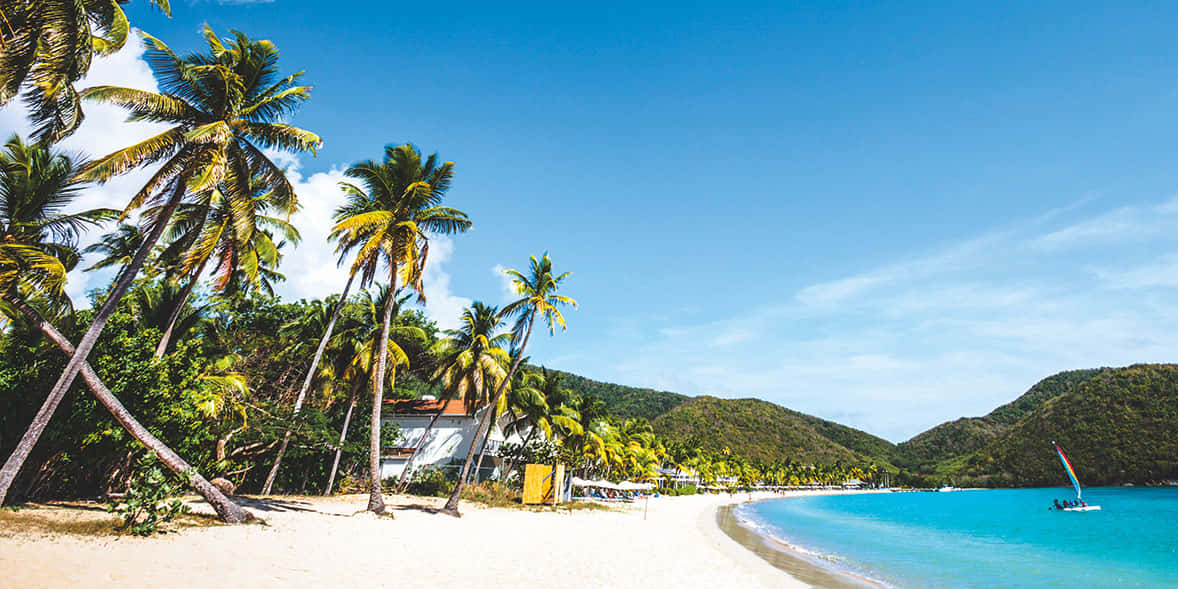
{"x":506,"y":286}
{"x":1162,"y":273}
{"x":310,"y":267}
{"x":443,"y":306}
{"x":732,"y":335}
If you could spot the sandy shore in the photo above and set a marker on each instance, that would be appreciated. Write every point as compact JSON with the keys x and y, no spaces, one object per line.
{"x":313,"y":541}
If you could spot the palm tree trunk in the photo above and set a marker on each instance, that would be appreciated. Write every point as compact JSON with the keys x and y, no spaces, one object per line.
{"x":403,"y":482}
{"x":483,"y":451}
{"x":343,"y":435}
{"x":307,"y":382}
{"x":518,"y":455}
{"x":175,"y":316}
{"x":375,"y":500}
{"x":451,"y":507}
{"x":14,"y":463}
{"x":226,"y":509}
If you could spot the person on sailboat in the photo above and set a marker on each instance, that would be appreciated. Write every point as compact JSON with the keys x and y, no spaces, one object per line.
{"x":1057,"y":505}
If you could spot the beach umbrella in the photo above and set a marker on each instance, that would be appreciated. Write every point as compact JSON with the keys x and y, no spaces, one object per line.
{"x":580,"y":482}
{"x":604,"y":484}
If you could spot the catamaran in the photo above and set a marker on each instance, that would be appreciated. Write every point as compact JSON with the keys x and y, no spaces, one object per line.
{"x":1067,"y":466}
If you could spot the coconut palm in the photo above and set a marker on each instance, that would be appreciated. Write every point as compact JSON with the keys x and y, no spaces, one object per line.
{"x":469,"y":358}
{"x":538,"y":404}
{"x":152,"y":303}
{"x":221,"y":106}
{"x":34,"y":186}
{"x":353,"y":350}
{"x":538,"y":301}
{"x":387,"y":223}
{"x":38,"y":241}
{"x":236,"y":233}
{"x":117,"y":248}
{"x":47,"y":45}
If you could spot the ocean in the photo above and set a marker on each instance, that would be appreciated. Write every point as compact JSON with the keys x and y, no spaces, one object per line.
{"x":990,"y":538}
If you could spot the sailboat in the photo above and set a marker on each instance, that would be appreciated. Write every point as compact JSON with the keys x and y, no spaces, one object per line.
{"x":1067,"y":466}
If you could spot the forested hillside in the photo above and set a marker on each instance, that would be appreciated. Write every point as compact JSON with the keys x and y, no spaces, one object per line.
{"x":760,"y":430}
{"x":933,"y":450}
{"x":1120,"y":426}
{"x":620,"y":400}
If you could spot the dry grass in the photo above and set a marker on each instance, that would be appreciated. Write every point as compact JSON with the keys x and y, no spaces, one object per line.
{"x":79,"y":518}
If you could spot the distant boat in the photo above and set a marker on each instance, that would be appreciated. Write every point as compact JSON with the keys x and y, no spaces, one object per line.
{"x":1067,"y":466}
{"x":947,"y":489}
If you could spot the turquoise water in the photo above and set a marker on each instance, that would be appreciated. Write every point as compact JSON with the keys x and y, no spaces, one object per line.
{"x":999,"y":538}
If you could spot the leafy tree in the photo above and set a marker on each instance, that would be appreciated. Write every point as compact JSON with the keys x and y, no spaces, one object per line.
{"x":236,"y":232}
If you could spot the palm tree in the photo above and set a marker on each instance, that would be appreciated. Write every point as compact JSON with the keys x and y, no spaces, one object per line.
{"x":538,"y":300}
{"x":473,"y":358}
{"x":38,"y":241}
{"x":47,"y":45}
{"x":540,"y":404}
{"x":354,"y":349}
{"x":117,"y":248}
{"x":220,"y":105}
{"x":234,"y":232}
{"x":469,"y":357}
{"x":34,"y":186}
{"x":387,"y":223}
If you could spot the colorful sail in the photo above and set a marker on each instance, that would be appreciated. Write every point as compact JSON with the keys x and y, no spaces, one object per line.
{"x":1068,"y":467}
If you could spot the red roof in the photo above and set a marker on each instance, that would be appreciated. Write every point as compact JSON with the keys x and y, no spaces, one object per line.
{"x":426,"y":407}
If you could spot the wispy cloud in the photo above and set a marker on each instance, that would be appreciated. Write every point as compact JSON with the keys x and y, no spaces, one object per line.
{"x":956,"y":330}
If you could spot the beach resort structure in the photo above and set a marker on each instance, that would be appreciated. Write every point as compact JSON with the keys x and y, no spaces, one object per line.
{"x":449,"y":440}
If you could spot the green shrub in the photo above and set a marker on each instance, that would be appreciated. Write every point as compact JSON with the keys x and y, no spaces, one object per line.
{"x":429,"y":482}
{"x":150,"y":499}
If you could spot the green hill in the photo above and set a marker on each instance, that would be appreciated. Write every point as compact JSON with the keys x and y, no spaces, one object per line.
{"x":939,"y":448}
{"x":759,"y":430}
{"x":1121,"y":426}
{"x":621,"y":400}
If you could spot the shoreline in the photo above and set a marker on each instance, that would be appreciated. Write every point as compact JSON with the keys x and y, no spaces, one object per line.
{"x":781,"y":555}
{"x":317,"y":541}
{"x":692,"y":541}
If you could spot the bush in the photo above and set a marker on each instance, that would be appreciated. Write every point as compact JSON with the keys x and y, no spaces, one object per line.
{"x":493,"y":494}
{"x":429,"y":482}
{"x":684,"y":490}
{"x":150,"y":499}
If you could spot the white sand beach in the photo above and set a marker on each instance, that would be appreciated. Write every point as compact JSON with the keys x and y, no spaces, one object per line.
{"x":314,"y":541}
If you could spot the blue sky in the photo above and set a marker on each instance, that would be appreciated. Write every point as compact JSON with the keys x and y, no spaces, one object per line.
{"x":886,"y":214}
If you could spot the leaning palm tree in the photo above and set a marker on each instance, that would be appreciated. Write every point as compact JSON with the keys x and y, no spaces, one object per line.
{"x":468,"y":358}
{"x":34,"y":187}
{"x":47,"y":45}
{"x":473,"y":358}
{"x":387,"y":223}
{"x":538,"y":301}
{"x":221,"y":106}
{"x":233,"y":232}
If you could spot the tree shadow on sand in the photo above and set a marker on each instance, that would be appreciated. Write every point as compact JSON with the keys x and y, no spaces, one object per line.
{"x":275,"y":505}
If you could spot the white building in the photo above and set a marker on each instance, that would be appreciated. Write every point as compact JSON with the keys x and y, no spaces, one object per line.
{"x":448,"y":442}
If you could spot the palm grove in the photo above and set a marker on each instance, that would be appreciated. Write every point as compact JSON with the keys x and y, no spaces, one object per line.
{"x":187,"y":355}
